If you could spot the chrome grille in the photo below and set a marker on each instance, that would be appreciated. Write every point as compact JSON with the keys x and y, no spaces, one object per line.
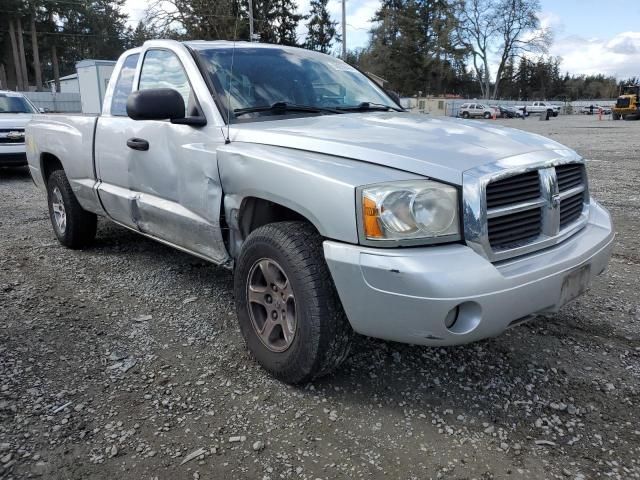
{"x":569,"y":176}
{"x":514,"y":228}
{"x":516,"y":189}
{"x":570,"y":209}
{"x":514,"y":212}
{"x":13,"y":135}
{"x":570,"y":181}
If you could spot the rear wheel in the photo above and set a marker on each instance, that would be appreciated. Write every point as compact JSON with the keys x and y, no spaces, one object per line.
{"x":615,"y":116}
{"x":465,"y":114}
{"x":74,"y":227}
{"x":288,"y":309}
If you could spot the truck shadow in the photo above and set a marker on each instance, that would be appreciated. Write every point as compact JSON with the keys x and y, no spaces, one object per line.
{"x":506,"y":382}
{"x":14,"y":173}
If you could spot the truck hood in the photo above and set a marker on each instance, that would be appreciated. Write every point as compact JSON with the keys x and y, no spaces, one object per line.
{"x":440,"y":148}
{"x":14,"y":120}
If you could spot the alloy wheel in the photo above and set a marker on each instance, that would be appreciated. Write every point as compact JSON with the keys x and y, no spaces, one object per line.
{"x":59,"y":212}
{"x":272,"y":305}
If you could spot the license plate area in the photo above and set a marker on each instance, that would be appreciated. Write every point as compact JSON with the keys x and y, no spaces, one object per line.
{"x":575,"y":284}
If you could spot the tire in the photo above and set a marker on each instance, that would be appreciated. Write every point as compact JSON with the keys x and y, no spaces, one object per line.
{"x":615,"y":116}
{"x":322,"y":334}
{"x":487,"y":115}
{"x":74,"y":227}
{"x":465,"y":115}
{"x":555,"y":114}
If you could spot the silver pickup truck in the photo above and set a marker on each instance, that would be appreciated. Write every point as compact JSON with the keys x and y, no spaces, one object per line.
{"x":337,"y":210}
{"x":15,"y":112}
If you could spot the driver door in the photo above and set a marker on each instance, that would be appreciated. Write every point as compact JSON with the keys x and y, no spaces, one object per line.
{"x":173,"y":190}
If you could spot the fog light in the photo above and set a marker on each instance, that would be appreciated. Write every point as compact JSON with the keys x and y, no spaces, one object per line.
{"x":463,"y":318}
{"x":451,"y":317}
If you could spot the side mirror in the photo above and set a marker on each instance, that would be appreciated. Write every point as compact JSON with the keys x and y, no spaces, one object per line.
{"x":155,"y":104}
{"x":160,"y":104}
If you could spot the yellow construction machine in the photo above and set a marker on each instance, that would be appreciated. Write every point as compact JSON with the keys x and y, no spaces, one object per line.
{"x":628,"y":104}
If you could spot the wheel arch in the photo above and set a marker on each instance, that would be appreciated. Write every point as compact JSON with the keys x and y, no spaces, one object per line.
{"x":49,"y":163}
{"x":245,"y":214}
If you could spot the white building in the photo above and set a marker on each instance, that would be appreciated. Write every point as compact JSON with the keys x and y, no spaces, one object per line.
{"x":68,"y":84}
{"x":93,"y":78}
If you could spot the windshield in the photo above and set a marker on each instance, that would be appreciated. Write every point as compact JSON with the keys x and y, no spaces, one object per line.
{"x":14,"y":104}
{"x":265,"y":76}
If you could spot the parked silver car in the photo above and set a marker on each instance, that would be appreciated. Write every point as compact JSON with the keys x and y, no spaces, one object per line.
{"x":337,"y":210}
{"x":475,"y":110}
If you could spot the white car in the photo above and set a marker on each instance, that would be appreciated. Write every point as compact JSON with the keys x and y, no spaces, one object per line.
{"x":540,"y":108}
{"x":15,"y":112}
{"x":471,"y":110}
{"x":595,"y":110}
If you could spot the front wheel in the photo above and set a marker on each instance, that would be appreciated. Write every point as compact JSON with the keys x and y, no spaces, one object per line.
{"x":74,"y":227}
{"x":487,"y":115}
{"x":288,"y":309}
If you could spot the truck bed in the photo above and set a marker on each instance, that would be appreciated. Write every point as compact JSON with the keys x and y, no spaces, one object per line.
{"x":70,"y":139}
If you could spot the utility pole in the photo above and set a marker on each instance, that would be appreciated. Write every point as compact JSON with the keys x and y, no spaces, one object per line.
{"x":251,"y":20}
{"x":344,"y":30}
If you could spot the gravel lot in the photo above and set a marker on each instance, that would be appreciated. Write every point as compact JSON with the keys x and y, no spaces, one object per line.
{"x":125,"y":361}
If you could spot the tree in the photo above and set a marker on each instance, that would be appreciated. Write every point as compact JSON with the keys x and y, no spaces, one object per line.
{"x":412,"y":45}
{"x":503,"y":29}
{"x":198,"y":19}
{"x":16,"y":56}
{"x":35,"y":51}
{"x":276,"y":21}
{"x":61,"y":32}
{"x":519,"y":32}
{"x":286,"y":22}
{"x":476,"y":28}
{"x":141,"y":34}
{"x":321,"y":29}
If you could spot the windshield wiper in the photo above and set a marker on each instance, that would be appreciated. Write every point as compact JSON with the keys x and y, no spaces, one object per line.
{"x":284,"y":107}
{"x":369,"y":106}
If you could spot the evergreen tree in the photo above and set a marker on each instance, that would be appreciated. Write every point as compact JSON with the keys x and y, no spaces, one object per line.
{"x":321,"y":29}
{"x":65,"y":32}
{"x":141,"y":34}
{"x":286,"y":22}
{"x":412,"y":46}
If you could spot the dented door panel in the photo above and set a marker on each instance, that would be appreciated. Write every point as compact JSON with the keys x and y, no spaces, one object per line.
{"x":176,"y":186}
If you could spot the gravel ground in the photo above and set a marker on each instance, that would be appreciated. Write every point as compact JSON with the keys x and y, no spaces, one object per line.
{"x":125,"y":361}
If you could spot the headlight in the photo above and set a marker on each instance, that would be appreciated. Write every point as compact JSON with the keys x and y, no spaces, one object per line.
{"x":410,"y":210}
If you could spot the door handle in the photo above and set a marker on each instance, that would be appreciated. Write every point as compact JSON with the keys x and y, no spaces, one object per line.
{"x":138,"y":144}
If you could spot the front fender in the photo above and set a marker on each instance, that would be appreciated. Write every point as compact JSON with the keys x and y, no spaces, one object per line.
{"x":319,"y":187}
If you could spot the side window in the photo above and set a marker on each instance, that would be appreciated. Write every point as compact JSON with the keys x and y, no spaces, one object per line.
{"x":162,"y":69}
{"x":123,"y":86}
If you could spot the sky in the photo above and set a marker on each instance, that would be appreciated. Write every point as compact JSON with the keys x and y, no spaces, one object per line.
{"x":591,"y":36}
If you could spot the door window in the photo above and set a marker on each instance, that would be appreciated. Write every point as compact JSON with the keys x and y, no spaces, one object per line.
{"x":162,"y":69}
{"x":123,"y":86}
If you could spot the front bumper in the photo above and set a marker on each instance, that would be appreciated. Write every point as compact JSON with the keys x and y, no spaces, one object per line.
{"x":13,"y":155}
{"x":410,"y":295}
